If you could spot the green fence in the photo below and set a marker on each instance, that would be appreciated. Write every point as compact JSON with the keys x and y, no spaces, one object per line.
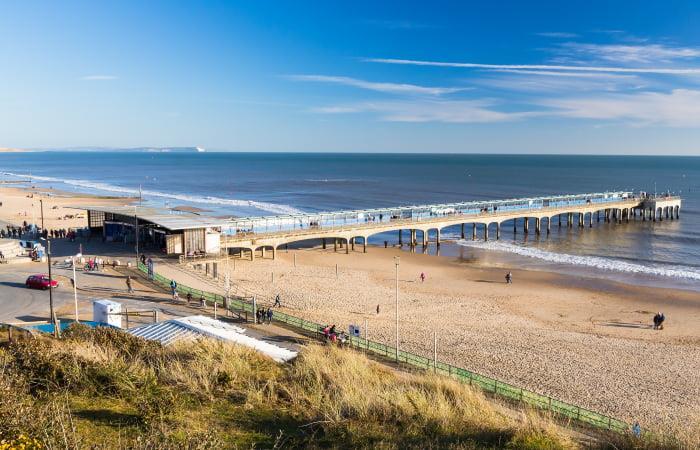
{"x":485,"y":383}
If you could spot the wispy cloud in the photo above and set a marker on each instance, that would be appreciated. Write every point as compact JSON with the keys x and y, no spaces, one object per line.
{"x":557,"y":34}
{"x":476,"y":111}
{"x":390,"y":88}
{"x":468,"y":65}
{"x":98,"y":77}
{"x":678,"y":108}
{"x":650,"y":53}
{"x":608,"y":76}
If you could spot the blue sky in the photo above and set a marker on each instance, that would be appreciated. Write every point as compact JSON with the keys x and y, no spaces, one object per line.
{"x":486,"y":77}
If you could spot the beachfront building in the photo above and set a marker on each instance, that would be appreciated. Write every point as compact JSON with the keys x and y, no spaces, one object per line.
{"x":172,"y":231}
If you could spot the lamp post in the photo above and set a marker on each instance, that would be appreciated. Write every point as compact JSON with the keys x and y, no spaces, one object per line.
{"x":48,"y":259}
{"x":397,"y":260}
{"x":75,"y":291}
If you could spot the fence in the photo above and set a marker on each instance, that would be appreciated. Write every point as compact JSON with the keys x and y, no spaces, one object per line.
{"x":485,"y":383}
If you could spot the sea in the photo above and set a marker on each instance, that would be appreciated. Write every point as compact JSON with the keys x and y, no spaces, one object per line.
{"x":664,"y":253}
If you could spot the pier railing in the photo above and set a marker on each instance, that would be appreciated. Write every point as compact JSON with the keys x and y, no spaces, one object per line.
{"x":312,"y":223}
{"x":487,"y":384}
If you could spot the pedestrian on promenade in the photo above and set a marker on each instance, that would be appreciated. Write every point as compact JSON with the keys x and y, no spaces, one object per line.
{"x":173,"y":287}
{"x":277,"y":301}
{"x":129,"y":286}
{"x":269,"y":316}
{"x":202,"y":302}
{"x":189,"y":298}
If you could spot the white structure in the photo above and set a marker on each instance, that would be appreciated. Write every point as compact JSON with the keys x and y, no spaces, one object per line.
{"x":194,"y":327}
{"x":107,"y":311}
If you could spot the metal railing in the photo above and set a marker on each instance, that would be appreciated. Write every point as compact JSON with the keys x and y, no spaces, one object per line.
{"x":483,"y":382}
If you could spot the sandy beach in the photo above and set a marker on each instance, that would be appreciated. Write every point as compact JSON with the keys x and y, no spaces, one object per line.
{"x":586,"y":341}
{"x":22,"y":203}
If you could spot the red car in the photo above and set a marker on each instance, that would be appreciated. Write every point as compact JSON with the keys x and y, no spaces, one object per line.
{"x":40,"y":281}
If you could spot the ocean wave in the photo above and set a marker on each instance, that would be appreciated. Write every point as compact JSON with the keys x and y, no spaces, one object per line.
{"x":92,"y":186}
{"x":601,"y":263}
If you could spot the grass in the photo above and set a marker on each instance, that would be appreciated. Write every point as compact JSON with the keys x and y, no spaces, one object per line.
{"x":102,"y":388}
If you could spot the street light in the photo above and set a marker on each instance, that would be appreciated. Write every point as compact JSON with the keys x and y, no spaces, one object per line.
{"x":397,"y":260}
{"x":48,"y":259}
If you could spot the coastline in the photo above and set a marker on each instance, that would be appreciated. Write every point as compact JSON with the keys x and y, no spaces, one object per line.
{"x":582,"y":339}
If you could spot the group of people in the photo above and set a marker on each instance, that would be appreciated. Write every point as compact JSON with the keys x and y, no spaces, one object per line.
{"x":93,"y":265}
{"x":659,"y":318}
{"x":262,"y":314}
{"x":331,"y":335}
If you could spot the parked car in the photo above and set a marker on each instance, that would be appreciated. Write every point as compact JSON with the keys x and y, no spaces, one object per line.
{"x":40,"y":281}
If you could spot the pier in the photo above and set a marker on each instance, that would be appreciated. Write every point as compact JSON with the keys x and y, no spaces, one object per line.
{"x":189,"y":234}
{"x":345,"y":230}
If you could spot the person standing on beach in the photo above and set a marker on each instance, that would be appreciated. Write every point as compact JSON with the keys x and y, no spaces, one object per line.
{"x":422,"y":277}
{"x":129,"y":286}
{"x":509,"y":278}
{"x":269,"y":316}
{"x":377,"y":309}
{"x":278,"y":304}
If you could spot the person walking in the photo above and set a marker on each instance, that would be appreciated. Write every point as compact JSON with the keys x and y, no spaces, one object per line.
{"x":189,"y":298}
{"x":202,"y":302}
{"x":377,"y":309}
{"x":422,"y":277}
{"x":509,"y":278}
{"x":269,"y":316}
{"x":129,"y":286}
{"x":277,"y":301}
{"x":173,"y":287}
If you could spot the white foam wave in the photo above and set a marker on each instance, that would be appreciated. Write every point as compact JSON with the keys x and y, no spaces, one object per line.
{"x":601,"y":263}
{"x":92,"y":186}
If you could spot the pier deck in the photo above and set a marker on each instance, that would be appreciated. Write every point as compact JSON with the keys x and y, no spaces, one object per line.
{"x":344,"y":228}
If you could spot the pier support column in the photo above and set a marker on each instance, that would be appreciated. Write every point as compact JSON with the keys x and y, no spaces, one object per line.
{"x":597,"y":213}
{"x":262,"y":252}
{"x":462,"y":231}
{"x":352,"y":243}
{"x":473,"y":232}
{"x":425,"y":238}
{"x":570,"y":220}
{"x":335,"y":245}
{"x":347,"y":246}
{"x":666,"y":208}
{"x":549,"y":225}
{"x":364,"y":244}
{"x":437,"y":237}
{"x":526,"y":225}
{"x":537,"y":226}
{"x":498,"y":231}
{"x":653,"y":213}
{"x":323,"y":243}
{"x":400,"y":238}
{"x":559,"y":220}
{"x":252,"y":254}
{"x":486,"y":232}
{"x":515,"y":227}
{"x":414,"y":238}
{"x":590,"y":221}
{"x":580,"y":220}
{"x":627,"y":215}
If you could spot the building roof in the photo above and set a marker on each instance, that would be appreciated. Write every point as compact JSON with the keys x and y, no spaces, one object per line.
{"x":167,"y":218}
{"x":194,"y":327}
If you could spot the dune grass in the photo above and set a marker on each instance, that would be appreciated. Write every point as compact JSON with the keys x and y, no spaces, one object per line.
{"x":102,"y":388}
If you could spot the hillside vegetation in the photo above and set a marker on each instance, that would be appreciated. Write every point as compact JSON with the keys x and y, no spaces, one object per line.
{"x":103,"y":388}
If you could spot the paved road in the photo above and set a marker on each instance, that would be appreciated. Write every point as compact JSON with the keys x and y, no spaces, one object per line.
{"x":17,"y":303}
